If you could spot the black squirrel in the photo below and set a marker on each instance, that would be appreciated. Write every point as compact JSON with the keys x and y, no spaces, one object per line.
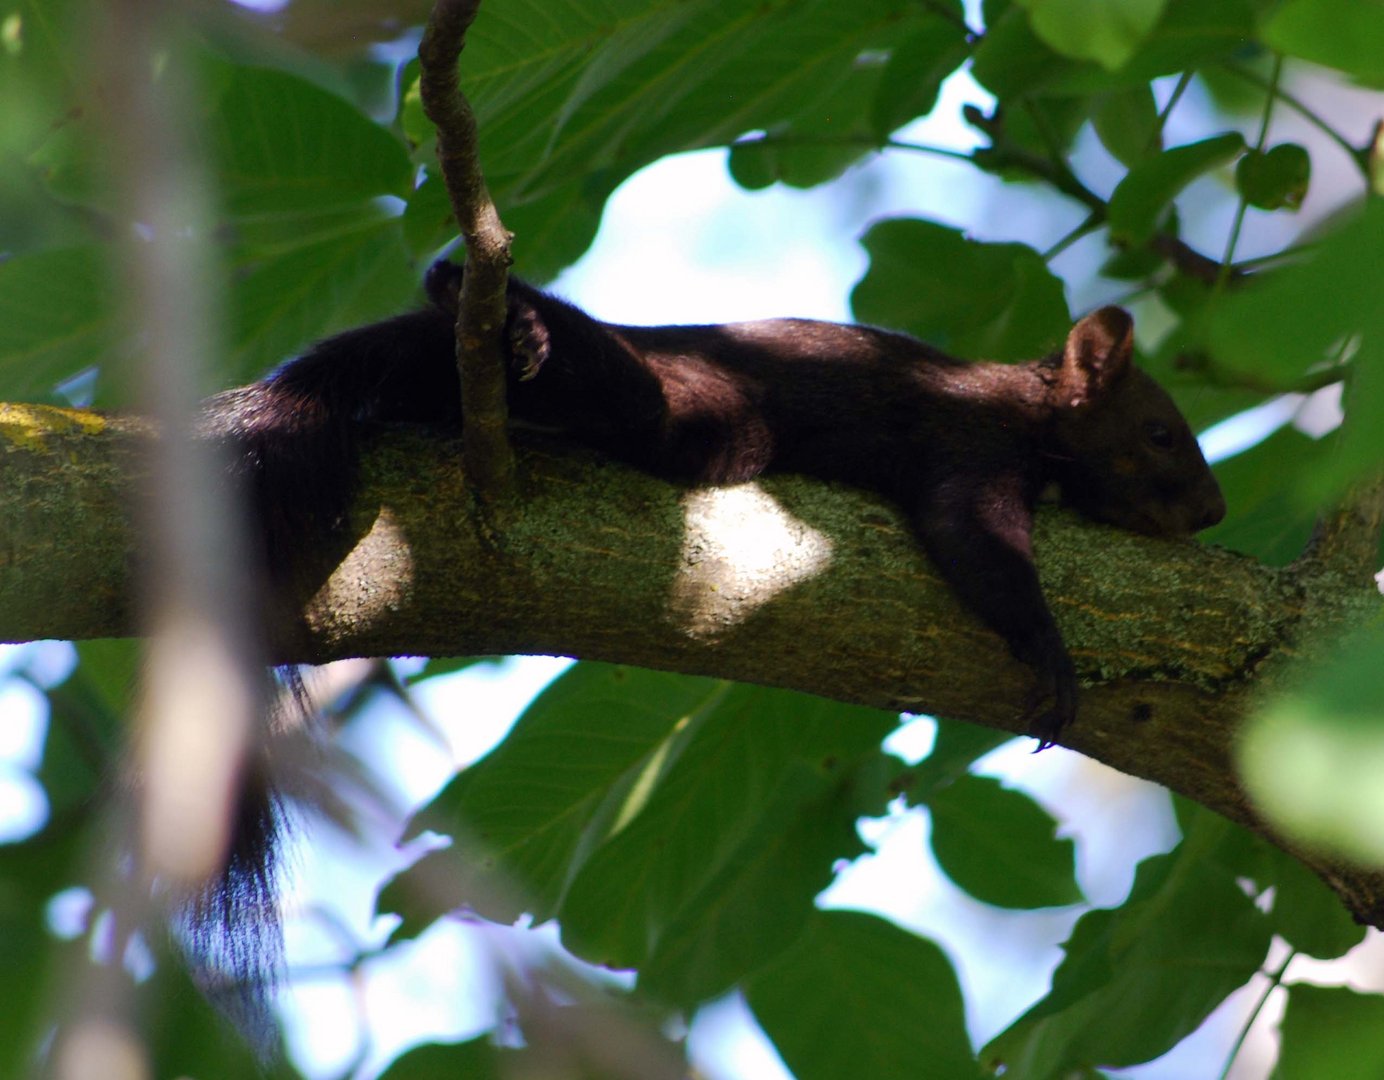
{"x":964,"y":448}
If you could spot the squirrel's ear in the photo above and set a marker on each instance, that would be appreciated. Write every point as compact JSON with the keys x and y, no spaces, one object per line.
{"x":1099,"y":351}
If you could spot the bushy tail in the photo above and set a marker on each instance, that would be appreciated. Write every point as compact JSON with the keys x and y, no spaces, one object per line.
{"x":292,"y":444}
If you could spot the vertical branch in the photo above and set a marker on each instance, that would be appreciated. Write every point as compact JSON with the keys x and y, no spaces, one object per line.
{"x":481,"y":308}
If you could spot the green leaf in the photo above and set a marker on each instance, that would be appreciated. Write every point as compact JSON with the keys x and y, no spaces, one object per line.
{"x":1139,"y":978}
{"x":853,"y":108}
{"x":858,"y":996}
{"x":1276,"y":178}
{"x":1127,"y":123}
{"x":1094,"y":29}
{"x":1331,"y":1031}
{"x":702,"y":836}
{"x":955,"y":748}
{"x":1344,"y":34}
{"x":1138,"y":202}
{"x":1310,"y":758}
{"x":565,"y":91}
{"x":284,"y":144}
{"x":757,"y":902}
{"x":39,"y":69}
{"x":428,"y":222}
{"x":977,"y":300}
{"x":1001,"y":846}
{"x":821,"y":139}
{"x":518,"y":817}
{"x":552,"y":232}
{"x":303,"y":291}
{"x":1014,"y":62}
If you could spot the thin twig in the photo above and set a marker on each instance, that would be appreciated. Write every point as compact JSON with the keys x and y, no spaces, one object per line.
{"x":481,"y":308}
{"x":1228,"y":261}
{"x":1359,"y":155}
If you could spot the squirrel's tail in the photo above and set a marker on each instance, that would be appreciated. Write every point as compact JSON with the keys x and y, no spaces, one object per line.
{"x":291,"y":445}
{"x":293,"y":439}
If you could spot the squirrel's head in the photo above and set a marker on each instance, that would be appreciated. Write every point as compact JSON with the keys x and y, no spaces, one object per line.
{"x":1126,"y":455}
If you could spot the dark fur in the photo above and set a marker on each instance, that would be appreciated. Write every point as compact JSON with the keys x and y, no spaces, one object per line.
{"x":964,"y":448}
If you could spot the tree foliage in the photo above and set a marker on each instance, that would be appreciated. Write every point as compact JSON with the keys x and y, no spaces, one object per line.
{"x":682,"y":828}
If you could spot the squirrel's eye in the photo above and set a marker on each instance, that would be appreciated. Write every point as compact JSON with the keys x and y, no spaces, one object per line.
{"x":1159,"y":434}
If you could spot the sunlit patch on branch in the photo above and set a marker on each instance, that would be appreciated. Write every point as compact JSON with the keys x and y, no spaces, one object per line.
{"x":374,"y":579}
{"x":741,"y":548}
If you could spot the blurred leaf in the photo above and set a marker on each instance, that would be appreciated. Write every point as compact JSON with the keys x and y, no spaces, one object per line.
{"x":279,"y":145}
{"x":858,"y":996}
{"x":1307,"y":314}
{"x":1276,"y":178}
{"x":1344,"y":34}
{"x":1138,"y":202}
{"x":1139,"y":978}
{"x":1295,"y":318}
{"x":1127,"y":123}
{"x":189,"y":1038}
{"x":39,"y":69}
{"x":918,"y":65}
{"x":1012,"y":61}
{"x":30,"y":874}
{"x":1094,"y":29}
{"x":88,"y":715}
{"x":1001,"y":847}
{"x":854,"y":108}
{"x":55,"y":319}
{"x":1307,"y":914}
{"x":976,"y":300}
{"x":1311,"y":757}
{"x":474,"y":1059}
{"x":1193,"y":34}
{"x":1331,"y":1031}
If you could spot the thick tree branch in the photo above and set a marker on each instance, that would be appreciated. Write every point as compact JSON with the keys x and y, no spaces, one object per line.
{"x":481,"y":308}
{"x":809,"y":586}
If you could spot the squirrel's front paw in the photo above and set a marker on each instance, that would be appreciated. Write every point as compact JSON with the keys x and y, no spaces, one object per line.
{"x":529,"y":343}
